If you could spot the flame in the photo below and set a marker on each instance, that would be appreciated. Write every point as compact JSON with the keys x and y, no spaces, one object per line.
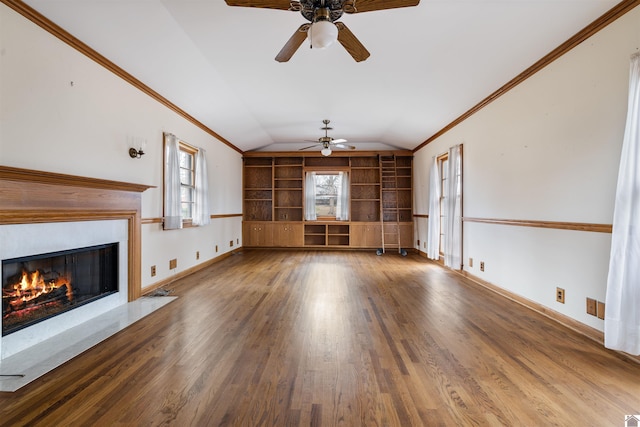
{"x":32,"y":285}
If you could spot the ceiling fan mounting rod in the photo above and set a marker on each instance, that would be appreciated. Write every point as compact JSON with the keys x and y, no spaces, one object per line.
{"x":322,"y":14}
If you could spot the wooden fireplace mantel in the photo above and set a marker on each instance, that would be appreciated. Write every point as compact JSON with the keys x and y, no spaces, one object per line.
{"x":28,"y":196}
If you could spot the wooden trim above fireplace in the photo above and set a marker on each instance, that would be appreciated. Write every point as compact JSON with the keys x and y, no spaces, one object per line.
{"x":28,"y":196}
{"x":15,"y":174}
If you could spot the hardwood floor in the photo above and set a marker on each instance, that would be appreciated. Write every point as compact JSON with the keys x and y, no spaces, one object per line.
{"x":287,"y":338}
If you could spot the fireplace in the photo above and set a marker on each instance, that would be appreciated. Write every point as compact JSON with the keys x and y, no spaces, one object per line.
{"x":38,"y":287}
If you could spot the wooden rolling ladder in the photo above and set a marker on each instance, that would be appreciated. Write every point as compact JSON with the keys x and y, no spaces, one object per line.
{"x":389,"y":213}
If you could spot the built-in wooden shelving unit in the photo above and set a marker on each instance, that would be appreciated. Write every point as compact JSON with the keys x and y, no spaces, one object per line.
{"x":287,"y":187}
{"x":365,"y":189}
{"x":258,"y":189}
{"x":380,"y":201}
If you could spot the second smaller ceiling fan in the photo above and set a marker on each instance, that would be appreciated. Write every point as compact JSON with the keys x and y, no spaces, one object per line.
{"x":328,"y":142}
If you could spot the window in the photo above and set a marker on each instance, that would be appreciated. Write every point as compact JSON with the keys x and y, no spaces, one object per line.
{"x":443,"y":166}
{"x":327,"y":188}
{"x":186,"y":189}
{"x":327,"y":196}
{"x":187,"y":181}
{"x":450,"y":168}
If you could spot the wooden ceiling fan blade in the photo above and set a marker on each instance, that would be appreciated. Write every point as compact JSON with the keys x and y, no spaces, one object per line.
{"x":350,"y":147}
{"x":293,"y":44}
{"x":266,"y":4}
{"x":311,"y":146}
{"x":351,"y":43}
{"x":371,"y":5}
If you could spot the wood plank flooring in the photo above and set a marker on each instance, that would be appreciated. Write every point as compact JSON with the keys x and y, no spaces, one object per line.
{"x":288,"y":338}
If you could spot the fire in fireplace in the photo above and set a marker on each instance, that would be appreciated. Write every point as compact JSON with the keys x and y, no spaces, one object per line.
{"x":38,"y":287}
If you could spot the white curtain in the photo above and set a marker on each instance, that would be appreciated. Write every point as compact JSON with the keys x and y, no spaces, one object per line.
{"x":201,"y":214}
{"x":433,"y":231}
{"x":453,"y":210}
{"x":310,"y":197}
{"x":172,"y":208}
{"x":622,"y":316}
{"x":342,"y":210}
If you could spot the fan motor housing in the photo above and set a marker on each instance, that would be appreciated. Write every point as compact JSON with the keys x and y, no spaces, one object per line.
{"x":333,"y":9}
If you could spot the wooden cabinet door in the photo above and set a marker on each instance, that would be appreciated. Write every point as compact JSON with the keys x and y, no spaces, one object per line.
{"x":406,"y":235}
{"x":295,"y":234}
{"x":374,"y":236}
{"x":287,"y":235}
{"x":357,"y":235}
{"x":258,"y":234}
{"x":365,"y":235}
{"x":247,"y":237}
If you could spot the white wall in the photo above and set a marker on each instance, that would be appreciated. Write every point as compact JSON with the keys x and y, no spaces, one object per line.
{"x":549,"y":151}
{"x":62,"y":112}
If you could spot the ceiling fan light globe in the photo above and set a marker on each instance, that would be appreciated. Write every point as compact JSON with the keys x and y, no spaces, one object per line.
{"x":322,"y":34}
{"x":326,"y":151}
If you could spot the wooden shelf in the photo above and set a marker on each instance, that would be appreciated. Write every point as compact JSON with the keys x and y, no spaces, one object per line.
{"x":365,"y":189}
{"x":288,"y":214}
{"x":331,"y":161}
{"x":364,"y":162}
{"x":258,"y":189}
{"x":287,"y":191}
{"x":326,"y":235}
{"x":315,"y":235}
{"x":288,"y":161}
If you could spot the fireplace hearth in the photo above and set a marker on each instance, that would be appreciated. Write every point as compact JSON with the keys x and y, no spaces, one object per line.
{"x":39,"y":287}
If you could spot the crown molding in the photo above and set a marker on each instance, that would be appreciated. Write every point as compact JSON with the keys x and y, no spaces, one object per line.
{"x":57,"y":31}
{"x":607,"y":18}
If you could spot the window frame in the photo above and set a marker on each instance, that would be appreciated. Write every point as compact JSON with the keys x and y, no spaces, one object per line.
{"x":443,"y":165}
{"x":327,"y":171}
{"x":191,"y":151}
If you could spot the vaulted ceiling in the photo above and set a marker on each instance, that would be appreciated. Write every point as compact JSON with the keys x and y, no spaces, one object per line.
{"x":429,"y":64}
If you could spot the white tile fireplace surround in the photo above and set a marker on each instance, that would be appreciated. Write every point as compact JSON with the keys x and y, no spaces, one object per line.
{"x":21,"y":240}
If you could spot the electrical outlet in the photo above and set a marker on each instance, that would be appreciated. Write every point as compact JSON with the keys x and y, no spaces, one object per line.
{"x":173,"y":264}
{"x":600,"y":310}
{"x":470,"y":262}
{"x":153,"y":270}
{"x":230,"y":243}
{"x":238,"y":241}
{"x":592,"y":307}
{"x":197,"y":255}
{"x":481,"y":265}
{"x":560,"y":295}
{"x":216,"y":248}
{"x":418,"y":243}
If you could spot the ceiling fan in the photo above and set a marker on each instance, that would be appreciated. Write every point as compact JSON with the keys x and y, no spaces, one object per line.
{"x":327,"y":142}
{"x":324,"y":28}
